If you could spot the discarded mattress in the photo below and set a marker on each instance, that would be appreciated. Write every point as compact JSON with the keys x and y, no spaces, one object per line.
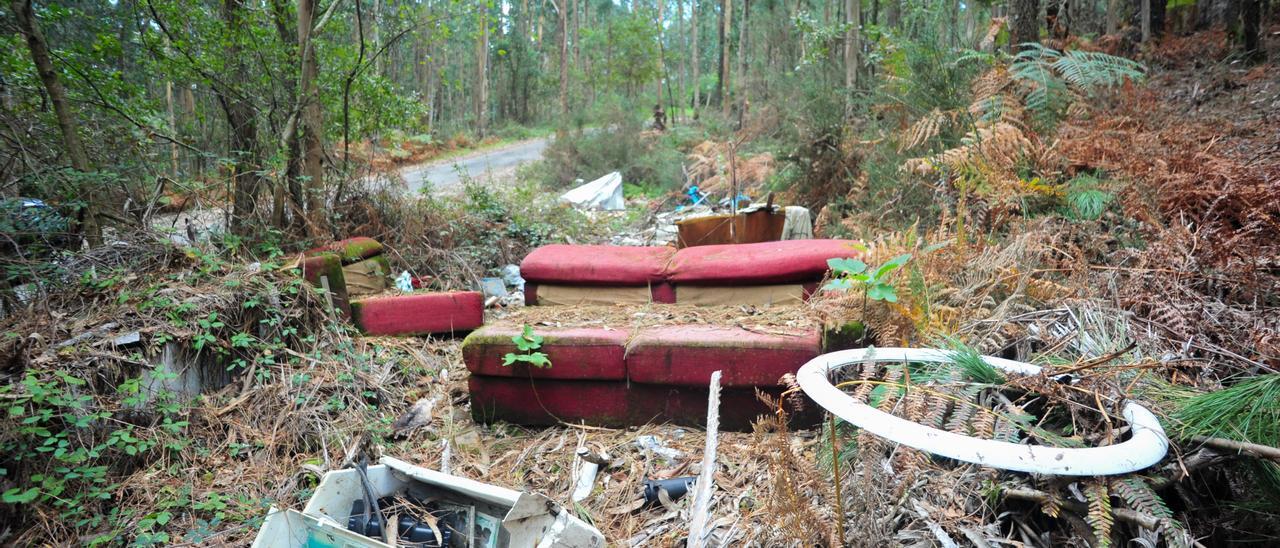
{"x":419,"y":313}
{"x":324,"y":271}
{"x":762,"y":273}
{"x":630,"y":377}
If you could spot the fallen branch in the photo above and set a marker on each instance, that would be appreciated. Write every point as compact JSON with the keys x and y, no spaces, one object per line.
{"x":1251,"y":449}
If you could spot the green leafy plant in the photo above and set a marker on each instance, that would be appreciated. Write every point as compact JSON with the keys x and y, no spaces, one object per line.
{"x":528,"y":344}
{"x":1086,"y":198}
{"x":856,"y":275}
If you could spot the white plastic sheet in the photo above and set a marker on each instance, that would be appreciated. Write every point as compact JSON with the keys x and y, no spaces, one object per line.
{"x":603,"y":193}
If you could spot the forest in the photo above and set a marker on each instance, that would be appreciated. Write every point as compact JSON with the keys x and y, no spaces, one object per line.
{"x":209,"y":208}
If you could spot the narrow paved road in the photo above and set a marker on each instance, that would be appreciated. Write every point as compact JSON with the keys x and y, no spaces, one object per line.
{"x":446,"y":175}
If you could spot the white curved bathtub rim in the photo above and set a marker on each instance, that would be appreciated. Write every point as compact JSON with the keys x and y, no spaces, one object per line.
{"x":1146,"y":446}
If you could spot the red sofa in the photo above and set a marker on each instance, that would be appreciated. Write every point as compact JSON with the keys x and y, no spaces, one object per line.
{"x":625,"y":377}
{"x":760,"y":273}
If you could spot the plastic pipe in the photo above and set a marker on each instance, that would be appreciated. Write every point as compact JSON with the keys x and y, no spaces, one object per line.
{"x":1146,"y":445}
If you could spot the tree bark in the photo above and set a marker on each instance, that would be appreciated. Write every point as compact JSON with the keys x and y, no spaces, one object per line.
{"x":1024,"y":27}
{"x":562,"y":127}
{"x":25,"y":16}
{"x":697,"y":87}
{"x":246,"y":170}
{"x":311,"y":118}
{"x":482,"y":73}
{"x":1250,"y":27}
{"x":851,"y":45}
{"x":743,"y":32}
{"x":680,"y":76}
{"x":723,"y":85}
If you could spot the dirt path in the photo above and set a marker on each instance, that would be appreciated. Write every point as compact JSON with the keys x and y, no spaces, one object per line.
{"x":446,"y":175}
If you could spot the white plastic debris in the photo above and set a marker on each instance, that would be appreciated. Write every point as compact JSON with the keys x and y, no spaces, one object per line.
{"x":1145,"y":447}
{"x":511,"y":275}
{"x":603,"y":193}
{"x":656,"y":446}
{"x":404,"y":282}
{"x":527,"y":519}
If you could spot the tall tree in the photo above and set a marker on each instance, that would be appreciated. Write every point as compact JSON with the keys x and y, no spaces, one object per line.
{"x":562,"y":9}
{"x":39,"y":48}
{"x":722,"y":84}
{"x":693,"y":24}
{"x":852,"y":37}
{"x":481,"y":96}
{"x":241,"y":120}
{"x":311,"y":119}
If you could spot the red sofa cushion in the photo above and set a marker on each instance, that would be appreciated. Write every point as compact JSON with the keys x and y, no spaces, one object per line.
{"x":616,"y":404}
{"x":352,"y":250}
{"x":575,"y":353}
{"x":787,"y":261}
{"x":686,"y":355}
{"x":544,"y":402}
{"x":596,"y":264}
{"x":419,"y":313}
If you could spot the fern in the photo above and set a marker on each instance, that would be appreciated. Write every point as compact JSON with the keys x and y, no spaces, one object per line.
{"x":1100,"y":517}
{"x":1051,"y":80}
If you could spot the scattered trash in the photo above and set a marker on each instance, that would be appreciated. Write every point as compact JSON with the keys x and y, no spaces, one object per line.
{"x":416,"y":417}
{"x":404,"y":282}
{"x":493,"y":287}
{"x":675,"y":488}
{"x":603,"y":193}
{"x":476,"y":514}
{"x":589,"y":466}
{"x":511,"y":275}
{"x":799,"y":224}
{"x":655,"y":445}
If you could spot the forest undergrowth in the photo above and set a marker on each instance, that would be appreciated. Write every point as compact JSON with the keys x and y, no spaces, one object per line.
{"x":1127,"y":240}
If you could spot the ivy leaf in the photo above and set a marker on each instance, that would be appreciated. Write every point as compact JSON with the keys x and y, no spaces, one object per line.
{"x":846,"y":266}
{"x":13,"y":496}
{"x":509,"y":359}
{"x":882,"y":292}
{"x":537,"y":359}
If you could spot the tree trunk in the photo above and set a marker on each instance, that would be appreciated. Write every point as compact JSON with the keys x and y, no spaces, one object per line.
{"x":562,"y":127}
{"x":242,"y":123}
{"x":680,"y":76}
{"x":743,"y":32}
{"x":662,"y":65}
{"x":311,"y":118}
{"x":722,"y":85}
{"x":697,"y":86}
{"x":482,"y":74}
{"x":851,"y":45}
{"x":893,"y":14}
{"x":39,"y":48}
{"x":1024,"y":27}
{"x":1251,"y":23}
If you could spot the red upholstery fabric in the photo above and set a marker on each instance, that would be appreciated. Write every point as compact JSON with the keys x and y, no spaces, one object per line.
{"x":615,"y":404}
{"x":575,"y":353}
{"x":328,"y":265}
{"x":544,"y":402}
{"x":686,"y":356}
{"x":596,"y":264}
{"x":352,"y":250}
{"x":663,"y":293}
{"x":419,"y":314}
{"x":787,"y":261}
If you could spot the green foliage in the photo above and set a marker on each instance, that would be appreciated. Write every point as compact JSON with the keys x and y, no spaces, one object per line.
{"x":1086,"y":198}
{"x":970,"y":364}
{"x":852,"y":274}
{"x":528,"y":345}
{"x":1051,"y":80}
